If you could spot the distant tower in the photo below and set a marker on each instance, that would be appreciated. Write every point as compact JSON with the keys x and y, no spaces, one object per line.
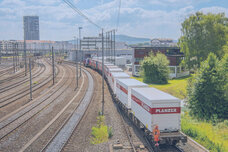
{"x":31,"y":27}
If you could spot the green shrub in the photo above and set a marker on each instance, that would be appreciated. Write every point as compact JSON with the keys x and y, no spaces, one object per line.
{"x":110,"y":132}
{"x":100,"y":134}
{"x":154,"y":69}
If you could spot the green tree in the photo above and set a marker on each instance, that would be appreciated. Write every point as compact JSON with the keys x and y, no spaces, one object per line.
{"x":202,"y":34}
{"x":206,"y":91}
{"x":154,"y":69}
{"x":224,"y":69}
{"x":225,"y":48}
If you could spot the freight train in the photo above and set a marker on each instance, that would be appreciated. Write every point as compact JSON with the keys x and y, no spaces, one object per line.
{"x":147,"y":107}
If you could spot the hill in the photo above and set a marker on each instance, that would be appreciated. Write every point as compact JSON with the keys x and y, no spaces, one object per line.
{"x":130,"y":39}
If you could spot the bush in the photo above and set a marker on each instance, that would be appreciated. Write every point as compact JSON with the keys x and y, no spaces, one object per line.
{"x":101,"y":132}
{"x":154,"y":69}
{"x":110,"y":132}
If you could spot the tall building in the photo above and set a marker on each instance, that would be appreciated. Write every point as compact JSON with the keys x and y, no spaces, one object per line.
{"x":31,"y":27}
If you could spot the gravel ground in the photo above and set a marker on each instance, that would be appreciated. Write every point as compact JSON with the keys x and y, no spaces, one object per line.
{"x":80,"y":140}
{"x":19,"y":76}
{"x":191,"y":147}
{"x":17,"y":89}
{"x":15,"y":105}
{"x":65,"y":133}
{"x":25,"y":132}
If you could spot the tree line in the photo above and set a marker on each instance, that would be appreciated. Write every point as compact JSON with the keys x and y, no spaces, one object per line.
{"x":204,"y":42}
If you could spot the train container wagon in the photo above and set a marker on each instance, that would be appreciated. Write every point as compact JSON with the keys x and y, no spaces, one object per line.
{"x":106,"y":70}
{"x":154,"y":107}
{"x":123,"y":90}
{"x":151,"y":107}
{"x":110,"y":70}
{"x":113,"y":79}
{"x":93,"y":62}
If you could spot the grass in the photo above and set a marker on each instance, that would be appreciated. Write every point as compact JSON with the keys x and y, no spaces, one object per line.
{"x":175,"y":87}
{"x":213,"y":137}
{"x":36,"y":82}
{"x":7,"y":57}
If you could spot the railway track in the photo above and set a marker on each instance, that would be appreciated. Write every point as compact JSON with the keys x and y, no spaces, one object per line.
{"x":41,"y":69}
{"x":129,"y":136}
{"x":60,"y":88}
{"x":22,"y":112}
{"x":5,"y":71}
{"x":62,"y":135}
{"x":10,"y":98}
{"x":170,"y":148}
{"x":17,"y":75}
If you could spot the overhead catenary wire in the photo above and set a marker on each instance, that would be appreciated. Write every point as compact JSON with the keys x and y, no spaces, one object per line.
{"x":80,"y":13}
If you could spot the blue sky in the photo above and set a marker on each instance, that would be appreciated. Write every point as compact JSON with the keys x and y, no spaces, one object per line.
{"x":141,"y":18}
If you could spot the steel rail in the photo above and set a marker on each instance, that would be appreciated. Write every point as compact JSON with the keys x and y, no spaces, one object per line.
{"x":11,"y":121}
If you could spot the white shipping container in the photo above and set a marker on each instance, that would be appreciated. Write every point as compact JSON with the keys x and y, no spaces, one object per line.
{"x":114,"y":70}
{"x":123,"y":90}
{"x":109,"y":67}
{"x":154,"y":107}
{"x":114,"y":77}
{"x":110,"y":70}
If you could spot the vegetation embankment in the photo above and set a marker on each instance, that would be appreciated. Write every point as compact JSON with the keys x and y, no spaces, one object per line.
{"x":206,"y":117}
{"x":213,"y":136}
{"x":175,"y":87}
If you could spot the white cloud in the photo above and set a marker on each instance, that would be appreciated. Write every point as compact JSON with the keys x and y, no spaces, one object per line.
{"x":215,"y":10}
{"x":59,"y":22}
{"x":17,"y":3}
{"x":171,"y":3}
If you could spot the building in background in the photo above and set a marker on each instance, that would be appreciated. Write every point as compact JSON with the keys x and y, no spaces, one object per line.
{"x":173,"y":54}
{"x":31,"y":27}
{"x":162,"y":42}
{"x":34,"y":46}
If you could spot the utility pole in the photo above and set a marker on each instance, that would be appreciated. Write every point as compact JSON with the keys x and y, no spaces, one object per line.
{"x":96,"y":47}
{"x":106,"y":45}
{"x":77,"y":60}
{"x":14,"y":49}
{"x":111,"y":49}
{"x":53,"y":65}
{"x":80,"y":50}
{"x":76,"y":63}
{"x":114,"y":47}
{"x":25,"y":56}
{"x":1,"y":48}
{"x":30,"y":73}
{"x":17,"y":58}
{"x":50,"y":50}
{"x":102,"y":72}
{"x":109,"y":46}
